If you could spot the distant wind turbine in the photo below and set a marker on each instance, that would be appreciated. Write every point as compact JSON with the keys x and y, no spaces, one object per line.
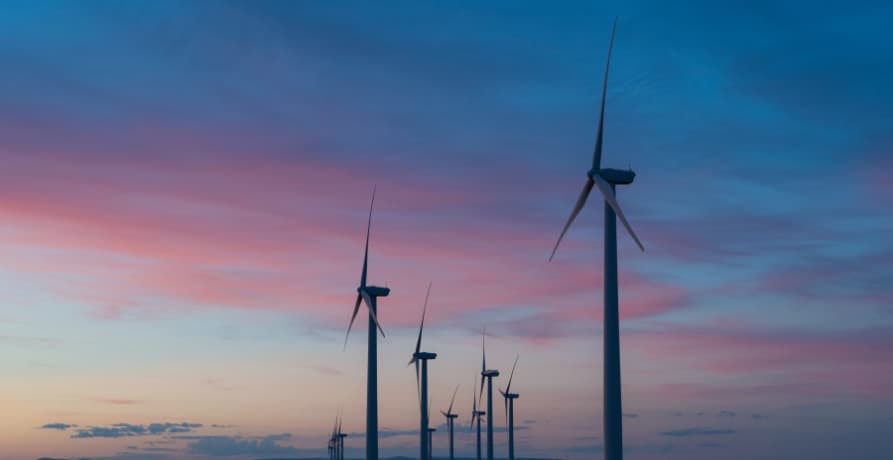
{"x":340,"y":439}
{"x":333,"y":445}
{"x":510,"y":410}
{"x":606,"y":180}
{"x":369,"y":295}
{"x":450,"y":416}
{"x":488,"y":375}
{"x":476,"y":415}
{"x":422,"y":389}
{"x":431,"y":443}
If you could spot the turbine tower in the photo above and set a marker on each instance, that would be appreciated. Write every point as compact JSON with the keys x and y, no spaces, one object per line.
{"x":488,"y":374}
{"x":510,"y":398}
{"x":606,"y":179}
{"x":476,"y":415}
{"x":431,"y":443}
{"x":422,"y":389}
{"x":369,"y":295}
{"x":450,"y":416}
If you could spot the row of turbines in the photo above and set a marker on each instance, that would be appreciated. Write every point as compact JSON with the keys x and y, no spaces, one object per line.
{"x":606,"y":180}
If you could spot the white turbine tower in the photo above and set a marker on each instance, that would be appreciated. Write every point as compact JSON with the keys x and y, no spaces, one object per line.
{"x":422,"y":387}
{"x":369,"y":295}
{"x":606,"y":179}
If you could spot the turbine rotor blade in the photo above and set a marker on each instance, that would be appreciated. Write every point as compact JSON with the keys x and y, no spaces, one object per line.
{"x":508,"y":387}
{"x":356,"y":308}
{"x":484,"y":351}
{"x":453,"y":399}
{"x":418,"y":344}
{"x":597,"y":153}
{"x":366,"y":254}
{"x":581,"y":200}
{"x":608,"y":193}
{"x":372,"y":314}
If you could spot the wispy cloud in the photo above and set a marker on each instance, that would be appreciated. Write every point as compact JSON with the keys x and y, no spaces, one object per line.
{"x":120,"y":430}
{"x":226,"y":446}
{"x":57,"y":426}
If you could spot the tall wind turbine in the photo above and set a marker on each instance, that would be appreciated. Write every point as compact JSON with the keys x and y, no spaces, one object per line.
{"x":476,"y":415}
{"x":450,"y":416}
{"x":488,"y":374}
{"x":369,"y":295}
{"x":423,"y":357}
{"x":606,"y":179}
{"x":510,"y":410}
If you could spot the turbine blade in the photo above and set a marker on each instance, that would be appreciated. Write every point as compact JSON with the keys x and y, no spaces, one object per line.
{"x":445,"y":415}
{"x":356,"y":308}
{"x":508,"y":387}
{"x":418,"y":344}
{"x":372,"y":314}
{"x":481,"y":393}
{"x":453,"y":399}
{"x":597,"y":153}
{"x":366,"y":254}
{"x":608,"y":193}
{"x":483,"y":351}
{"x":581,"y":200}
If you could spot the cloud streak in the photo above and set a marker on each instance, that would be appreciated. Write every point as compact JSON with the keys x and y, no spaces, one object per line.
{"x":123,"y":430}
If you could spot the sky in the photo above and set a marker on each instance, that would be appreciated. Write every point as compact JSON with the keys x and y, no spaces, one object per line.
{"x":184,"y":189}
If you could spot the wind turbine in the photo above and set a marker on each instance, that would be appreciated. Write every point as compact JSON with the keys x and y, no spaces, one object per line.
{"x":369,"y":295}
{"x":510,"y":410}
{"x":333,"y":445}
{"x":476,"y":414}
{"x":450,"y":416}
{"x":606,"y":179}
{"x":488,"y":374}
{"x":423,"y":357}
{"x":431,"y":443}
{"x":340,"y":440}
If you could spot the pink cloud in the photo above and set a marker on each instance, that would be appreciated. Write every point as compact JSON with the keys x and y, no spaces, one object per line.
{"x":857,"y":357}
{"x":248,"y":232}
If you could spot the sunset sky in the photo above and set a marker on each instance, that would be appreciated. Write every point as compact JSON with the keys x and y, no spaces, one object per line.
{"x":183,"y":199}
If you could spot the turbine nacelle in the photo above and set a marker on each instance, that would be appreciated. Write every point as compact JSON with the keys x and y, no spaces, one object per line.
{"x":613,"y":176}
{"x":423,"y":355}
{"x":490,"y":373}
{"x":375,"y":291}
